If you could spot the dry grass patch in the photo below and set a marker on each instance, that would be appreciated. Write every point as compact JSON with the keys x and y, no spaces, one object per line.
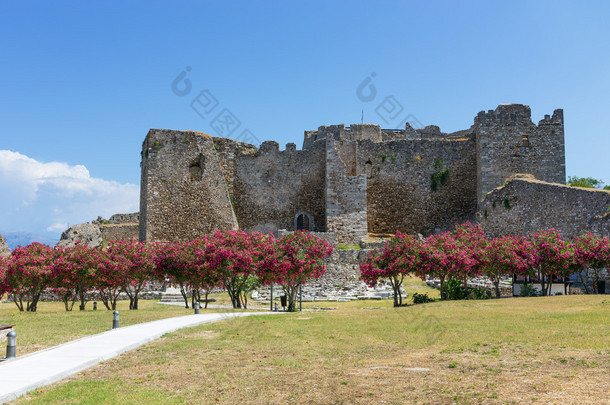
{"x":51,"y":325}
{"x":547,"y":350}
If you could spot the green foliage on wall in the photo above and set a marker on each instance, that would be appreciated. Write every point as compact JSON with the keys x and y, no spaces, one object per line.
{"x":440,"y":177}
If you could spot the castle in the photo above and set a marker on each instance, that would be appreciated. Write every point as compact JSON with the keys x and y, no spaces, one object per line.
{"x":360,"y":180}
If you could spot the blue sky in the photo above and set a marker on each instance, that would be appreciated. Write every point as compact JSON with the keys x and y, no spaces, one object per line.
{"x":82,"y":82}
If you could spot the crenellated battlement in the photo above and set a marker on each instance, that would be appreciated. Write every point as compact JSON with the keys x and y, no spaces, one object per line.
{"x":505,"y":114}
{"x":348,"y":179}
{"x":508,"y":142}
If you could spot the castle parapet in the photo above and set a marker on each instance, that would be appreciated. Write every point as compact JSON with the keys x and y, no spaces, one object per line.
{"x":505,"y":114}
{"x":355,"y":132}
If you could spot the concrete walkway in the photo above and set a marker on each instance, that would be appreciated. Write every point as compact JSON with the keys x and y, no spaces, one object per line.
{"x":45,"y":367}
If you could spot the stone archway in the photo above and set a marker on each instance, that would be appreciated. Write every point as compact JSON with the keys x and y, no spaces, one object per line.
{"x":303,"y":221}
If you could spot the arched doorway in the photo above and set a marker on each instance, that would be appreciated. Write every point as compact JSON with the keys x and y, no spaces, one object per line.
{"x":303,"y":222}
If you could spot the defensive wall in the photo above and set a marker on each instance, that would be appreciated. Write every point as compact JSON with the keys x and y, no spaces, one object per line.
{"x":348,"y":180}
{"x":183,"y":194}
{"x":524,"y":205}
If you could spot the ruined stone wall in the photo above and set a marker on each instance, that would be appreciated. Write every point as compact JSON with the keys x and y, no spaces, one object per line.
{"x":400,"y":193}
{"x":130,"y":218}
{"x":346,"y":202}
{"x":355,"y":132}
{"x":183,"y":192}
{"x":119,"y":231}
{"x":5,"y":251}
{"x":525,"y":205}
{"x":271,"y":187}
{"x":227,"y":149}
{"x":508,"y":142}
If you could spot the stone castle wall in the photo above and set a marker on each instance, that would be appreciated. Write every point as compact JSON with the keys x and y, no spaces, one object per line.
{"x":349,"y":180}
{"x":125,"y":231}
{"x":271,"y":187}
{"x":525,"y":205}
{"x":131,"y":218}
{"x":400,"y":193}
{"x":227,"y":149}
{"x":345,"y":192}
{"x":183,"y":192}
{"x":508,"y":142}
{"x":5,"y":251}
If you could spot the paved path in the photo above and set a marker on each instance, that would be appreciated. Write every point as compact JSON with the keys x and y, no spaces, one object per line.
{"x":45,"y":367}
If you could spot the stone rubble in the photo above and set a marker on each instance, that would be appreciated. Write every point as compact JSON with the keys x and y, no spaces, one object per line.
{"x":5,"y":251}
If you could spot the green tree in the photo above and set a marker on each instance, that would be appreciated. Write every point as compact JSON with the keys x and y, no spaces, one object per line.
{"x":588,"y":182}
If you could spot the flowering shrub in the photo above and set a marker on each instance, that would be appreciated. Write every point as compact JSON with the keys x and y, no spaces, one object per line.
{"x":449,"y":256}
{"x":111,"y":277}
{"x":29,"y":272}
{"x":399,"y":257}
{"x":295,"y":258}
{"x":505,"y":255}
{"x":180,"y":263}
{"x":551,"y":257}
{"x":240,"y":261}
{"x":74,"y":272}
{"x":3,"y":264}
{"x":453,"y":257}
{"x":593,"y":255}
{"x":137,"y":261}
{"x":235,"y":257}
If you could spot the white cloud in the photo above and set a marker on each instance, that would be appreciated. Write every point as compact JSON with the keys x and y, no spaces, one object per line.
{"x":46,"y":197}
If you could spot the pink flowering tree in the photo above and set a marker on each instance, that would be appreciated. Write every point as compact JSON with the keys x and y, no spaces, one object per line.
{"x":593,"y":254}
{"x":235,"y":257}
{"x":63,"y":283}
{"x":448,"y":256}
{"x":205,"y":277}
{"x":503,"y":256}
{"x":399,"y":257}
{"x":139,"y":266}
{"x":28,"y":273}
{"x":296,"y":258}
{"x":179,"y":262}
{"x":471,"y":239}
{"x":111,"y":276}
{"x":551,"y":257}
{"x":74,"y":273}
{"x":3,"y":266}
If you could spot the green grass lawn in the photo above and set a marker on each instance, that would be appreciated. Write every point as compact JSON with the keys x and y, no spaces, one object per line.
{"x":51,"y":325}
{"x":519,"y":350}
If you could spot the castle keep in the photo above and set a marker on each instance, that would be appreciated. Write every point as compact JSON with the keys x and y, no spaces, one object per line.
{"x":351,"y":181}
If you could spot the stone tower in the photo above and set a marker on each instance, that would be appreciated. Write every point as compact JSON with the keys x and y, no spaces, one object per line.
{"x":183,"y":192}
{"x":508,"y":142}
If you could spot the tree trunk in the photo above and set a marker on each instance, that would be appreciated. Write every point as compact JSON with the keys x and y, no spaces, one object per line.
{"x":542,"y":283}
{"x":548,"y":286}
{"x":18,"y":302}
{"x":582,"y":281}
{"x":497,"y":287}
{"x":81,"y":294}
{"x":244,"y":300}
{"x":183,"y":292}
{"x":396,"y":287}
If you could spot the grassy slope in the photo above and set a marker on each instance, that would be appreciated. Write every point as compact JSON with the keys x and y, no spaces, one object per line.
{"x":553,"y":349}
